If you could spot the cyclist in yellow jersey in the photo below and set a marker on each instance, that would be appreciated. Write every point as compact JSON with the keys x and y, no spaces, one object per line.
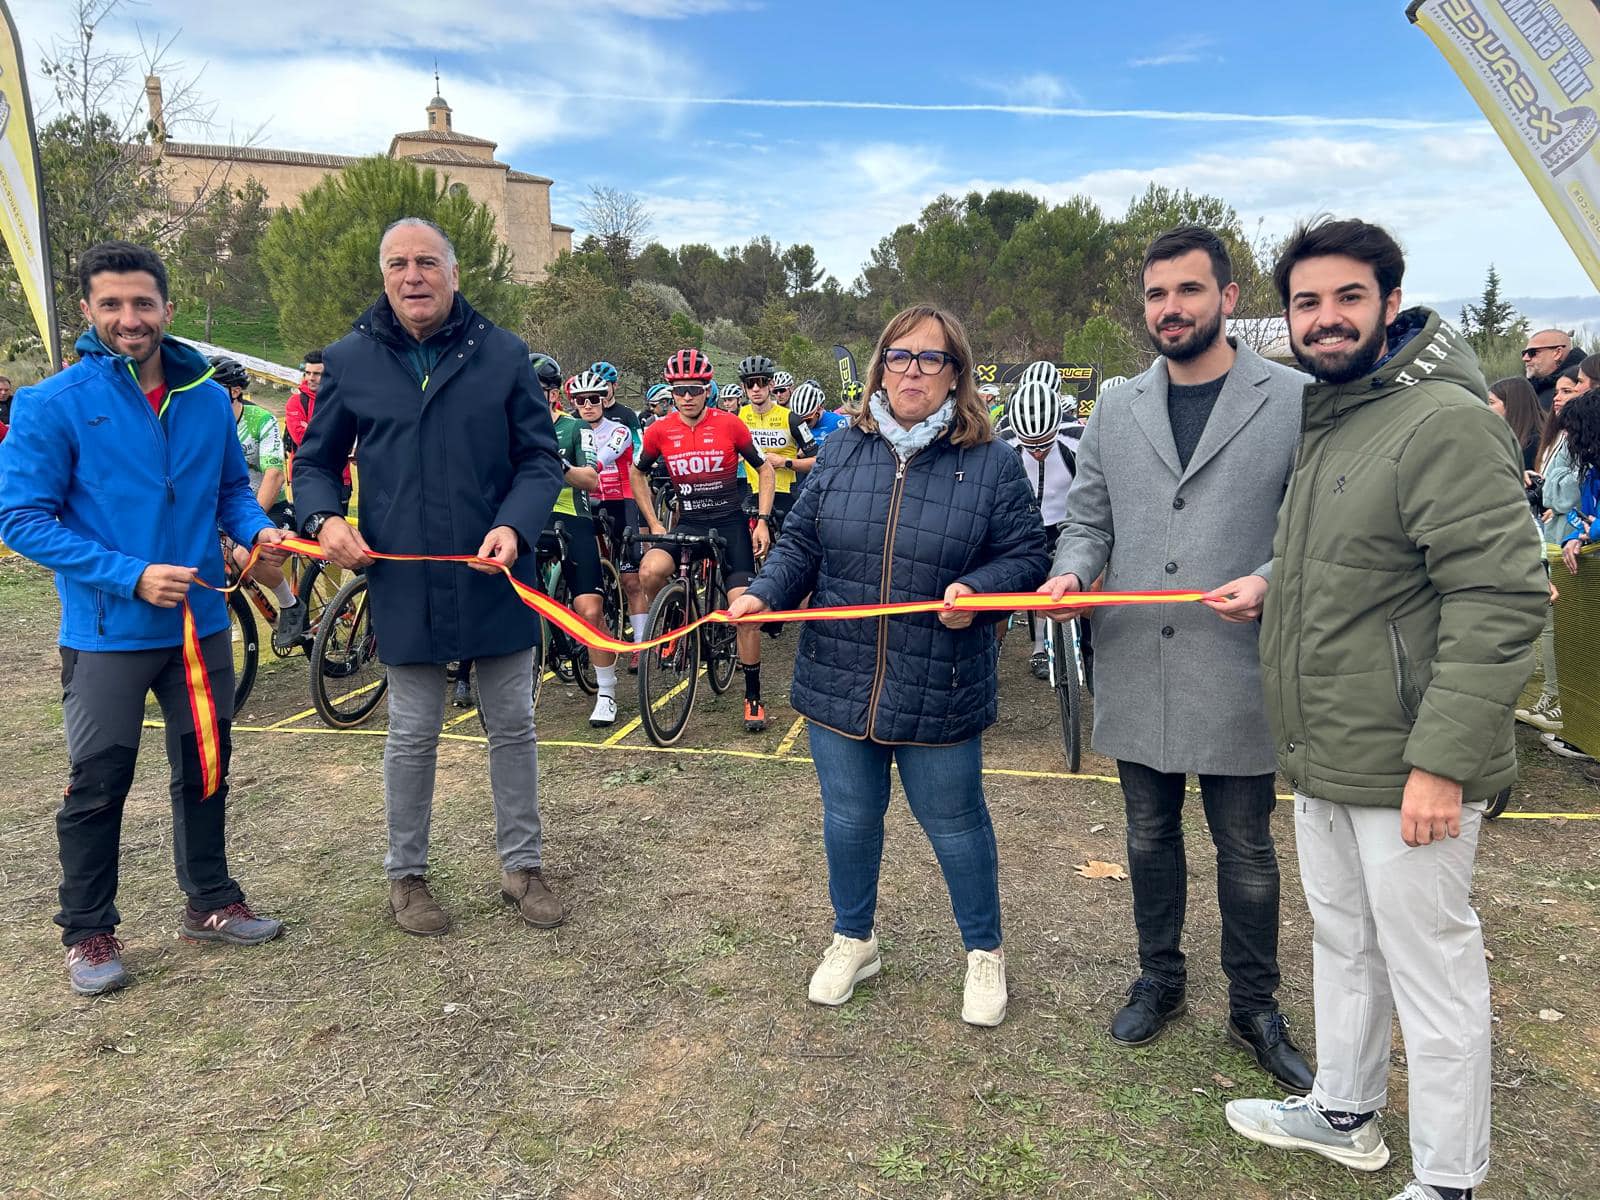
{"x":783,"y":439}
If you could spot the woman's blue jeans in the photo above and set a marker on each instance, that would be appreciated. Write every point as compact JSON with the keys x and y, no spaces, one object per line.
{"x":944,"y":786}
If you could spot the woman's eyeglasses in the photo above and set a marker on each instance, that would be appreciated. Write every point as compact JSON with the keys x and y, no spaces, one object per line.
{"x":929,"y":362}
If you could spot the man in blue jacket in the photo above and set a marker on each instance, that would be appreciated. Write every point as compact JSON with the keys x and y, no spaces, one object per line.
{"x":455,"y":454}
{"x":117,"y":475}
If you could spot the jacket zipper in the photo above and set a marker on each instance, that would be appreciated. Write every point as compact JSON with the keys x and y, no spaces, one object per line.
{"x":883,"y":588}
{"x":1403,"y":684}
{"x":1297,"y":485}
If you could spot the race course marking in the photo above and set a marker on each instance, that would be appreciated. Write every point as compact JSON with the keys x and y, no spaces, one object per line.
{"x":766,"y":756}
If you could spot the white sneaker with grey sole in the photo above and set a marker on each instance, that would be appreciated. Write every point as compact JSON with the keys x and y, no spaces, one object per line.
{"x":1295,"y":1124}
{"x":983,"y":1000}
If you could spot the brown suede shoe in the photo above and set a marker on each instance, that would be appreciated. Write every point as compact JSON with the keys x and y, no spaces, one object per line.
{"x":526,"y":888}
{"x":414,"y":908}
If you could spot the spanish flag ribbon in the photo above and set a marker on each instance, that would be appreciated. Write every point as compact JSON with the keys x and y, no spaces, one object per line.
{"x":575,"y":627}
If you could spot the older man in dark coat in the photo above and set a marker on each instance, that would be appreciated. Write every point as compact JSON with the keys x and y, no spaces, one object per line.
{"x":455,"y":454}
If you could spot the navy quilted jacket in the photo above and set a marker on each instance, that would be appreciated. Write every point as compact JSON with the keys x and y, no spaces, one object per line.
{"x":952,"y":515}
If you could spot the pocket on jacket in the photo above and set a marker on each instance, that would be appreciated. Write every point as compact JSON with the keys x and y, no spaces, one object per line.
{"x":1405,"y":682}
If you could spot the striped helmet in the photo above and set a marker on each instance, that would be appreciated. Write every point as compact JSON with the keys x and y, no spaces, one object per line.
{"x":586,"y":383}
{"x":733,"y":392}
{"x":1035,"y":413}
{"x":1042,"y":372}
{"x":806,"y":399}
{"x":688,"y":366}
{"x":782,"y":379}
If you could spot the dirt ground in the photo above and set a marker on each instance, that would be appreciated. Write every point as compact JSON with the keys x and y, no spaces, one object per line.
{"x":660,"y":1043}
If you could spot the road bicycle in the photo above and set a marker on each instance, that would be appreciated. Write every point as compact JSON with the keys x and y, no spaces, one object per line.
{"x":669,"y":674}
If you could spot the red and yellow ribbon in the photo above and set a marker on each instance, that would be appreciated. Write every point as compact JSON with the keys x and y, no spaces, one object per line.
{"x":580,"y":630}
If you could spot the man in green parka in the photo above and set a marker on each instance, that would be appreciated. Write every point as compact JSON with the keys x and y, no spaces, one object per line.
{"x":1407,"y":592}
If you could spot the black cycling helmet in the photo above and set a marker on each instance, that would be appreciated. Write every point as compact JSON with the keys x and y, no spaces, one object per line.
{"x":229,"y":372}
{"x":757,"y":365}
{"x":547,"y":369}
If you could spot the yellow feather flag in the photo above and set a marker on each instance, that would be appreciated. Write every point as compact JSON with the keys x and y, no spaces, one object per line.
{"x":1530,"y":65}
{"x":22,"y":220}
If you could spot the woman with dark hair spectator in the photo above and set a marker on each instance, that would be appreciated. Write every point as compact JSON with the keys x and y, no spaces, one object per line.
{"x":1514,"y":400}
{"x":1589,"y":373}
{"x":1572,"y":527}
{"x":914,"y":500}
{"x":1555,"y":476}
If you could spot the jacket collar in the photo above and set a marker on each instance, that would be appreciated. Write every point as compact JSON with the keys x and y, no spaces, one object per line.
{"x":1243,"y":392}
{"x":182,"y":366}
{"x":1422,"y":347}
{"x":380,"y":323}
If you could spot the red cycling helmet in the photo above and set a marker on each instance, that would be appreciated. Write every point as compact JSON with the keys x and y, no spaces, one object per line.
{"x":688,"y":366}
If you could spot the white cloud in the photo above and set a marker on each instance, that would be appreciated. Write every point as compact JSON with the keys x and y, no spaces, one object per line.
{"x":1032,"y":90}
{"x":1179,"y":52}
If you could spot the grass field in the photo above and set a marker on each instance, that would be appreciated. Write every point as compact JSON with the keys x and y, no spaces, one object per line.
{"x":660,"y":1043}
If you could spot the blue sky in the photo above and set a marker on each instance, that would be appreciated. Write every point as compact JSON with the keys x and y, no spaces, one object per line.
{"x":612,"y":93}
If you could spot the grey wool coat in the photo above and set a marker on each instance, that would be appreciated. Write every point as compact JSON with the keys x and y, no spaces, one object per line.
{"x":1177,"y":688}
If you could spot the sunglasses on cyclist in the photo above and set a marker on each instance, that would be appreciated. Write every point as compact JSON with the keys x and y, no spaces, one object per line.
{"x":687,"y":391}
{"x":759,"y":381}
{"x":591,"y":399}
{"x":781,"y":391}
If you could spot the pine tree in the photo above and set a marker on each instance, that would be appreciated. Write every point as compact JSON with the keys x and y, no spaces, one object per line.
{"x":1489,"y":320}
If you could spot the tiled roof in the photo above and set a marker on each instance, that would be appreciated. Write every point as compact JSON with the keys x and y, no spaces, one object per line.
{"x":245,"y":154}
{"x":444,"y":135}
{"x":525,"y":177}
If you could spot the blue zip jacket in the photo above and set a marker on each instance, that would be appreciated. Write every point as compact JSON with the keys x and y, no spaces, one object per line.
{"x":97,"y":488}
{"x":1588,"y":503}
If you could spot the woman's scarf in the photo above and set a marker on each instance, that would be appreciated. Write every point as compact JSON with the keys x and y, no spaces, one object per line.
{"x":906,"y":442}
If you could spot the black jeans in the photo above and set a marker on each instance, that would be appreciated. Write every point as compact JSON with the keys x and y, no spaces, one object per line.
{"x":1238,"y":810}
{"x":102,"y":701}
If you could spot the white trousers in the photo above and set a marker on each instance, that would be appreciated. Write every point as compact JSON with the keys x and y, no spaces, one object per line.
{"x":1395,"y":932}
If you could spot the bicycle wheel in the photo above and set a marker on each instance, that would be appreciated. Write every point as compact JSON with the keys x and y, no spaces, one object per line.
{"x":718,"y":643}
{"x":315,"y":584}
{"x":347,"y":680}
{"x":1064,"y":679}
{"x":575,"y":656}
{"x":669,"y":672}
{"x":246,"y":648}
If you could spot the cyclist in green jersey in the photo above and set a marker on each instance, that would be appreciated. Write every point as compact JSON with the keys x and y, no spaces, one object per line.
{"x":263,"y":455}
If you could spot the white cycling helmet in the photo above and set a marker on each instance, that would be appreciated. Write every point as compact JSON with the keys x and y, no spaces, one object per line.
{"x":1035,"y":413}
{"x":733,"y":392}
{"x":782,"y":380}
{"x":989,"y":391}
{"x":1041,"y":372}
{"x":806,"y":399}
{"x":586,"y":383}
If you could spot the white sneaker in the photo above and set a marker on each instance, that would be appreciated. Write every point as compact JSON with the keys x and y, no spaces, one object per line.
{"x":983,"y":1002}
{"x":605,"y":711}
{"x":1545,"y":713}
{"x":1555,"y":745}
{"x":844,"y":964}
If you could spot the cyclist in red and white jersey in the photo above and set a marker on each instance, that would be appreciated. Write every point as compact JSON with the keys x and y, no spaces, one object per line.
{"x":702,"y":447}
{"x":614,"y":445}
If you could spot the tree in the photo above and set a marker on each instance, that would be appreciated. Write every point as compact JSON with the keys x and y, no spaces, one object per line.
{"x":103,"y":177}
{"x":618,"y":221}
{"x":800,"y":269}
{"x":321,"y":258}
{"x":216,"y":261}
{"x":1491,"y":318}
{"x":578,"y":316}
{"x":1102,"y":341}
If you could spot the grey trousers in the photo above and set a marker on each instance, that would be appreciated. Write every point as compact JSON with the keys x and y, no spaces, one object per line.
{"x":1395,"y":932}
{"x":411,"y":753}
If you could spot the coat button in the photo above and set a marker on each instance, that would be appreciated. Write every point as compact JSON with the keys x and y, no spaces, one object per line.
{"x":1290,"y":747}
{"x":1172,"y":568}
{"x":1178,"y":503}
{"x":470,"y":342}
{"x":461,"y":356}
{"x":1167,"y":631}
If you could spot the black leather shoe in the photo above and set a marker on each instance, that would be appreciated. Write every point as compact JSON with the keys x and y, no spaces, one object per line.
{"x":1266,"y":1036}
{"x":1151,"y":1004}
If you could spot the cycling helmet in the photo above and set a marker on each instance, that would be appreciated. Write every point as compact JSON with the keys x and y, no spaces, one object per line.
{"x":547,"y":369}
{"x":658,"y":393}
{"x":715,"y":391}
{"x":605,"y":370}
{"x":586,"y":383}
{"x":756,"y":364}
{"x":989,"y":391}
{"x":1041,"y":372}
{"x":806,"y":399}
{"x":782,"y":379}
{"x":853,"y":390}
{"x":1034,"y":411}
{"x":688,"y":366}
{"x":733,"y":391}
{"x":229,"y":372}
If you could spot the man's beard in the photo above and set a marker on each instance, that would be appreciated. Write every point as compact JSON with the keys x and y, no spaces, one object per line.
{"x":1201,"y":338}
{"x":1540,"y":382}
{"x":1347,"y":364}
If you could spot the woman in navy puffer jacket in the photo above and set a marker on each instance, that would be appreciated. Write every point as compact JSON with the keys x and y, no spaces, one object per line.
{"x":914,"y":500}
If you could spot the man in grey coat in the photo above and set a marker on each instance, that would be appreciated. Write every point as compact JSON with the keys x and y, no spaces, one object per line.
{"x":1180,"y":474}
